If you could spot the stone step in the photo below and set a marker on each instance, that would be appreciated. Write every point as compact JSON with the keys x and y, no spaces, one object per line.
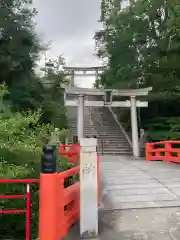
{"x":112,"y":137}
{"x":116,"y":153}
{"x":113,"y":140}
{"x":115,"y":149}
{"x":117,"y":144}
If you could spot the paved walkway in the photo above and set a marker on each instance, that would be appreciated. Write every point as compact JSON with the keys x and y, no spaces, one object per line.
{"x":129,"y":184}
{"x":144,"y":198}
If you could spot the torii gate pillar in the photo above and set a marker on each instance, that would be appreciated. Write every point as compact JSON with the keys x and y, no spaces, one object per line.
{"x":134,"y":126}
{"x":80,"y":117}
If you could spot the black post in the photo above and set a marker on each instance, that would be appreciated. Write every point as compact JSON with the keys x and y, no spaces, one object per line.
{"x":75,"y":139}
{"x":48,"y":159}
{"x":94,"y":136}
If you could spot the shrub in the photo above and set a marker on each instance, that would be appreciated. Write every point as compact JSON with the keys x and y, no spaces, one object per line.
{"x":20,"y":151}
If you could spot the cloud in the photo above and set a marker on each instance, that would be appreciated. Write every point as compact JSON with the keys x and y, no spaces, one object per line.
{"x":70,"y":25}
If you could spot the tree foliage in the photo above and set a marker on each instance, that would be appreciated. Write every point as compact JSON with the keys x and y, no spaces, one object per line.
{"x":141,"y":44}
{"x":20,"y":48}
{"x":19,"y":43}
{"x":30,"y":112}
{"x":21,"y":142}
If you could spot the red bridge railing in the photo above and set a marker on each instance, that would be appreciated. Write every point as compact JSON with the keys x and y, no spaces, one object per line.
{"x":58,"y":206}
{"x":168,"y":151}
{"x":26,"y":196}
{"x":71,"y":152}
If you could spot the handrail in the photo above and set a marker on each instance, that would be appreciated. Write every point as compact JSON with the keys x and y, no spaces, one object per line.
{"x":19,"y":180}
{"x":96,"y":133}
{"x":163,"y":151}
{"x":60,"y":210}
{"x":26,"y":196}
{"x":121,"y":127}
{"x":59,"y":206}
{"x":71,"y":152}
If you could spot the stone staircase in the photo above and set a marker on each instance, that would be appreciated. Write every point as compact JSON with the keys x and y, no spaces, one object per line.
{"x":113,"y":141}
{"x":72,"y":122}
{"x":99,"y":121}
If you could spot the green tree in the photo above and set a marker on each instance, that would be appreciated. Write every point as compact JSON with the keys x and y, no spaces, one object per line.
{"x":21,"y":142}
{"x":54,"y":81}
{"x":140,"y":43}
{"x":19,"y":43}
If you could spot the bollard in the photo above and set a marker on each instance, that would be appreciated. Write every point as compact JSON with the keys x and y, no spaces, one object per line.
{"x":75,"y":140}
{"x":48,"y":198}
{"x":88,"y":188}
{"x":48,"y":160}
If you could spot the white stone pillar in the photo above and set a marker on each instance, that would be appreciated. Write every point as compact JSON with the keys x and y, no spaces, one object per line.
{"x":134,"y":127}
{"x":72,"y":78}
{"x":80,"y":117}
{"x":97,"y":77}
{"x":88,"y":188}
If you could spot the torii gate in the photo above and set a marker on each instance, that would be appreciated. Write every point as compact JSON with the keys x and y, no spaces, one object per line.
{"x":83,"y":71}
{"x":107,"y":95}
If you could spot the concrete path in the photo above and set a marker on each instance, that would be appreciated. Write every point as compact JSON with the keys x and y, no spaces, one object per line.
{"x":139,"y":224}
{"x":139,"y":200}
{"x":131,"y":184}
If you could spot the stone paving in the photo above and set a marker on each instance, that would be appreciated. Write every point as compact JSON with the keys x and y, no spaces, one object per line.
{"x":128,"y":184}
{"x":137,"y":224}
{"x":140,"y":224}
{"x":139,"y":200}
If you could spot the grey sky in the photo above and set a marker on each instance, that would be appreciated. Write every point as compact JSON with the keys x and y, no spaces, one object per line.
{"x":70,"y":25}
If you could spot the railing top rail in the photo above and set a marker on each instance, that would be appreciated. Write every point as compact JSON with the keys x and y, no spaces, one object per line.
{"x":65,"y":145}
{"x":70,"y":172}
{"x":19,"y":181}
{"x":163,"y":142}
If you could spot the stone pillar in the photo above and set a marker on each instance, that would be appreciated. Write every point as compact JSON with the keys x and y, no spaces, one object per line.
{"x":134,"y":127}
{"x":88,"y":188}
{"x":80,"y":117}
{"x":97,"y":78}
{"x":72,"y":78}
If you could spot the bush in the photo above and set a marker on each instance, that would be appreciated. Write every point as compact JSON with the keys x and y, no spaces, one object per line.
{"x":21,"y":142}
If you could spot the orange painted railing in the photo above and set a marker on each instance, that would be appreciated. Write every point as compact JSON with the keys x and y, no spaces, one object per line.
{"x":71,"y":152}
{"x":24,"y":196}
{"x":168,"y":151}
{"x":58,"y":206}
{"x":98,"y":181}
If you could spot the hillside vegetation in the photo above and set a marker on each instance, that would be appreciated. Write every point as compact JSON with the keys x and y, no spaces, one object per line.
{"x":141,"y":45}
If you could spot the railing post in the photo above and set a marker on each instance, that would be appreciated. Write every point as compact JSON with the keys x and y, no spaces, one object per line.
{"x":98,"y":181}
{"x":88,"y":188}
{"x":147,"y":151}
{"x":28,"y":211}
{"x":167,"y":146}
{"x":147,"y":148}
{"x":61,"y":223}
{"x":75,"y":140}
{"x":48,"y":193}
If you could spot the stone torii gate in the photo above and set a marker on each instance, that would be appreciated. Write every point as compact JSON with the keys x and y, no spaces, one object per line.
{"x":83,"y":71}
{"x":107,"y":96}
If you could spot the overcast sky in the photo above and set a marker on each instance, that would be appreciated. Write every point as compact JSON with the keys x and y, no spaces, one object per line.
{"x":70,"y":25}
